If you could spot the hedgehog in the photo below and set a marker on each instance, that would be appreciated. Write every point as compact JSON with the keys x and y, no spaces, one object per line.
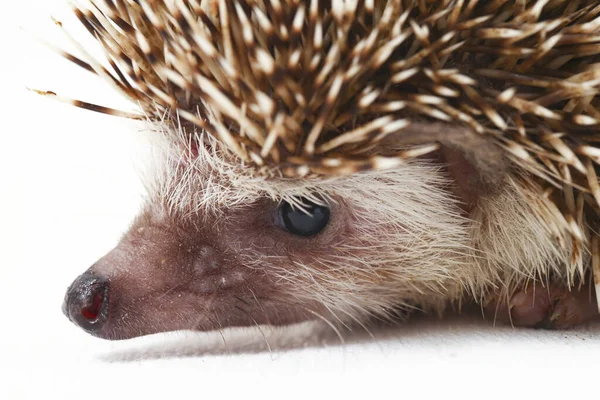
{"x":349,"y":162}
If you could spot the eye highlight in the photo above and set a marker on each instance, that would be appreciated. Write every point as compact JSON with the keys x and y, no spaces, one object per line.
{"x":303,"y":222}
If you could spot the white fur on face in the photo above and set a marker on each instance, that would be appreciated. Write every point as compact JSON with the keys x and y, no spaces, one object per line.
{"x":401,"y":239}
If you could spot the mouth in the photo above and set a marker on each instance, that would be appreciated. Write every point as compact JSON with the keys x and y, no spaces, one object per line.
{"x":126,"y":317}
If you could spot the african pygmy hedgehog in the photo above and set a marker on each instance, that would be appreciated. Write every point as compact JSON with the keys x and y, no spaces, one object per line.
{"x":348,"y":160}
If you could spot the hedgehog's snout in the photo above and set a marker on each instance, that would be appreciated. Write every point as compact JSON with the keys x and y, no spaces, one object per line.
{"x":86,"y":302}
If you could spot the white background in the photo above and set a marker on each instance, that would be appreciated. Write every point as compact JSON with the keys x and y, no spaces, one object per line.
{"x":68,"y":189}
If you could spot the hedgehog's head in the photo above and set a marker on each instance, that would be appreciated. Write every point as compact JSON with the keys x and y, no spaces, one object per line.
{"x":215,"y":247}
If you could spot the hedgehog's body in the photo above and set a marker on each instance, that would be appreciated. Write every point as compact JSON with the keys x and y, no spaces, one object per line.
{"x":444,"y":149}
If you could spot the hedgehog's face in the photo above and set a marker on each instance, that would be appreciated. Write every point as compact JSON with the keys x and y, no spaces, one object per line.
{"x":170,"y":273}
{"x":241,"y":254}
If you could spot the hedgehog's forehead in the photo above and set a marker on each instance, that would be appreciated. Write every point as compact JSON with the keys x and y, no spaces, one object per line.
{"x":215,"y":180}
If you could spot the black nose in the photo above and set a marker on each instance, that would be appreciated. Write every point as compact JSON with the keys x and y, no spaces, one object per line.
{"x":86,"y":302}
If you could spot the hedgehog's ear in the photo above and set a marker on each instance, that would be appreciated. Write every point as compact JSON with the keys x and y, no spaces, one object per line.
{"x":474,"y":161}
{"x":485,"y":156}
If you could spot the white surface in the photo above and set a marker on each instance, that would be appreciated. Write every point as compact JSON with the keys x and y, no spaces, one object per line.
{"x":68,"y":189}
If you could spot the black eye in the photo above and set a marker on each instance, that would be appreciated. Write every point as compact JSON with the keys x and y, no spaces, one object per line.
{"x":308,"y":222}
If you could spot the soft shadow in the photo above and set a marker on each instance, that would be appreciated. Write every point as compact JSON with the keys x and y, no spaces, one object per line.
{"x":428,"y":330}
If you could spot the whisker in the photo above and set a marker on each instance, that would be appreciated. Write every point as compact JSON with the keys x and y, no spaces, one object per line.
{"x":331,"y":325}
{"x":260,"y":330}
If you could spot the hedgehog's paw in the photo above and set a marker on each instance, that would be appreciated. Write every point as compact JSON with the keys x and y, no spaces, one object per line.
{"x":572,"y":309}
{"x":550,"y":307}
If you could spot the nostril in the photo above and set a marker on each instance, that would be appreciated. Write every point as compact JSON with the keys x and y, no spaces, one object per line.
{"x":92,"y":311}
{"x":86,"y":302}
